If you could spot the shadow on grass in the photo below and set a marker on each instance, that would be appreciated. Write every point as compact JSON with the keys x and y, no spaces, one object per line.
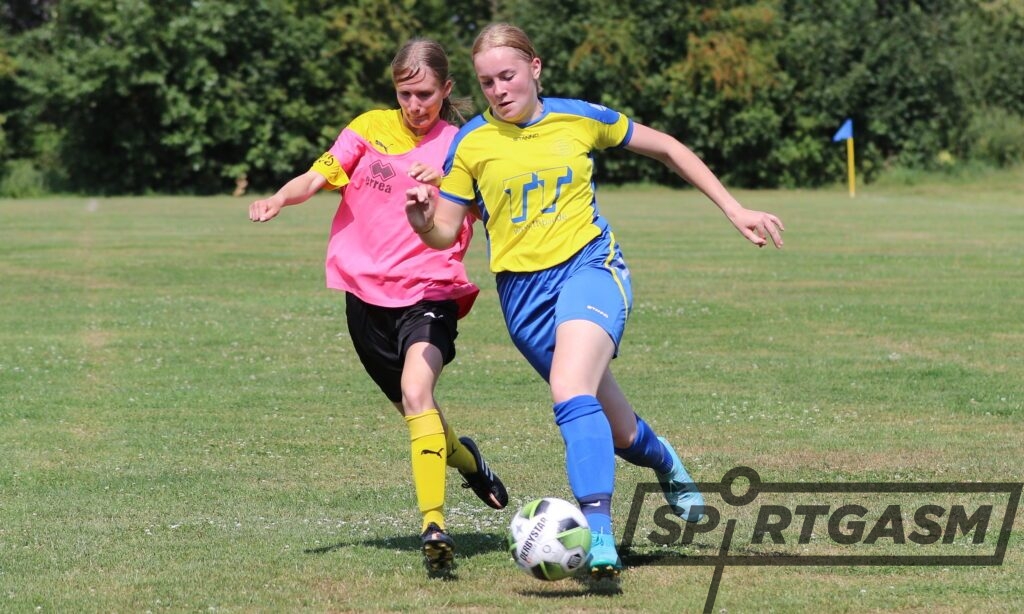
{"x":643,"y":557}
{"x":581,"y":591}
{"x":584,"y":586}
{"x":467,"y":545}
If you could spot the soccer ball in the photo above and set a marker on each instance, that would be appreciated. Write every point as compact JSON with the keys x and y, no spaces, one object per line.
{"x":549,"y":538}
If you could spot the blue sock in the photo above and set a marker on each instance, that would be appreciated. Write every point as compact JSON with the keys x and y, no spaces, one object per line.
{"x":589,"y":451}
{"x":646,"y":450}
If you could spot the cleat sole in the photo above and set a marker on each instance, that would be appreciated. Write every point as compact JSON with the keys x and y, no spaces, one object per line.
{"x":605,"y":579}
{"x":438,"y":552}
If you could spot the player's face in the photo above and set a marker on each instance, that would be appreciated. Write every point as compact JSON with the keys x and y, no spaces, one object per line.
{"x":509,"y":82}
{"x":421,"y":98}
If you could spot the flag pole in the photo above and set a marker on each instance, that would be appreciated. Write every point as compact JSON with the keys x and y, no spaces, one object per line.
{"x":845,"y":133}
{"x":849,"y":163}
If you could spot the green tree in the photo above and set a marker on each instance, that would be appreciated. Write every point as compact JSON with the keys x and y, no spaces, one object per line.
{"x":991,"y":79}
{"x":167,"y":97}
{"x":130,"y":96}
{"x":891,"y":66}
{"x":186,"y":97}
{"x":6,"y":97}
{"x":704,"y":72}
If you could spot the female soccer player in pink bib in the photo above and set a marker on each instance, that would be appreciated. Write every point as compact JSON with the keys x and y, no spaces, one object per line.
{"x":564,"y":286}
{"x":403,"y":299}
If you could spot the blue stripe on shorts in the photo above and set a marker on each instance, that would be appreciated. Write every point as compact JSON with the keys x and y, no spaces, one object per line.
{"x":593,"y":285}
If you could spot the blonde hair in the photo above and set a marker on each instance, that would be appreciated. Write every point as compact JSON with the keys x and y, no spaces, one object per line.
{"x":506,"y":35}
{"x":421,"y":54}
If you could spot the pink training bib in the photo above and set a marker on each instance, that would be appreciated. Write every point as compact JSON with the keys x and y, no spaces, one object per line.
{"x":372,"y":251}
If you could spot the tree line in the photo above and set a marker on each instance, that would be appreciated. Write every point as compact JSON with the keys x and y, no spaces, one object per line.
{"x":137,"y":96}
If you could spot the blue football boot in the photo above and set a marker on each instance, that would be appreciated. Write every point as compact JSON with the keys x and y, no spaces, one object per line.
{"x":604,"y":563}
{"x":680,"y":491}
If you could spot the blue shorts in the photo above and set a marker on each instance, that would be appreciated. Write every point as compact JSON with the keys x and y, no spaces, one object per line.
{"x":593,"y":285}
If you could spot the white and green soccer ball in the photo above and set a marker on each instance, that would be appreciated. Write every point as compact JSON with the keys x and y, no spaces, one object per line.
{"x":549,"y":538}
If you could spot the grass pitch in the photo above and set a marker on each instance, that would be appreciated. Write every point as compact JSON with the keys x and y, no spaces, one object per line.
{"x":184,"y":425}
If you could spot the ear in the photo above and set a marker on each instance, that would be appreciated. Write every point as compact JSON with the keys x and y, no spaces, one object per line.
{"x":447,"y":89}
{"x":535,"y":66}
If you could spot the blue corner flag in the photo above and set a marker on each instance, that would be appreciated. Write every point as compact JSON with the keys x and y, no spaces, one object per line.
{"x":845,"y":132}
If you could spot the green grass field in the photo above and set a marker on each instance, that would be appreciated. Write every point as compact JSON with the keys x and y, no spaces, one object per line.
{"x":184,"y":425}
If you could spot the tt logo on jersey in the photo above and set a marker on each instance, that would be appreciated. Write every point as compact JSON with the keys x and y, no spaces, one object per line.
{"x":380,"y":173}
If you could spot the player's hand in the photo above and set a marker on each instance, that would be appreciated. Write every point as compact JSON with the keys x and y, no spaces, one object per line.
{"x":420,"y":206}
{"x":265,"y":210}
{"x":759,"y":226}
{"x":425,"y":174}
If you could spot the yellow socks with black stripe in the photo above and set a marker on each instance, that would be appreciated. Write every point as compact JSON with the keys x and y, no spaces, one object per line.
{"x":458,"y":456}
{"x":429,"y":453}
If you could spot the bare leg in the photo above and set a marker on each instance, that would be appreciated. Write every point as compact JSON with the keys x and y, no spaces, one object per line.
{"x":582,"y":353}
{"x":618,"y":409}
{"x":422,"y":368}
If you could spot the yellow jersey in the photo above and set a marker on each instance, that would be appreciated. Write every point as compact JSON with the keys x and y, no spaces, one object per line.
{"x":534,"y":182}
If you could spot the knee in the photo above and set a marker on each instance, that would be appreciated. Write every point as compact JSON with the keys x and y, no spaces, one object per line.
{"x":562,"y":389}
{"x":416,"y":400}
{"x":560,"y":392}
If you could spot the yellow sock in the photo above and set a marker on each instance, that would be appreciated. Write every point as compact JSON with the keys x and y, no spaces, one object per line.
{"x":429,"y":452}
{"x":458,"y":456}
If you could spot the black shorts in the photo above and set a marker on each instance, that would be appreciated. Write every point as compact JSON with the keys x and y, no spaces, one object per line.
{"x":382,"y":335}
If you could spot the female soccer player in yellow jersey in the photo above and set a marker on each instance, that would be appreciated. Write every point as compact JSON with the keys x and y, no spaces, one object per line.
{"x":402,"y":298}
{"x":562,"y":282}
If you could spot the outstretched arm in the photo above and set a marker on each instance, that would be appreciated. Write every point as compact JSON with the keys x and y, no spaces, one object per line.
{"x":295,"y":192}
{"x":436,"y":220}
{"x":756,"y":226}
